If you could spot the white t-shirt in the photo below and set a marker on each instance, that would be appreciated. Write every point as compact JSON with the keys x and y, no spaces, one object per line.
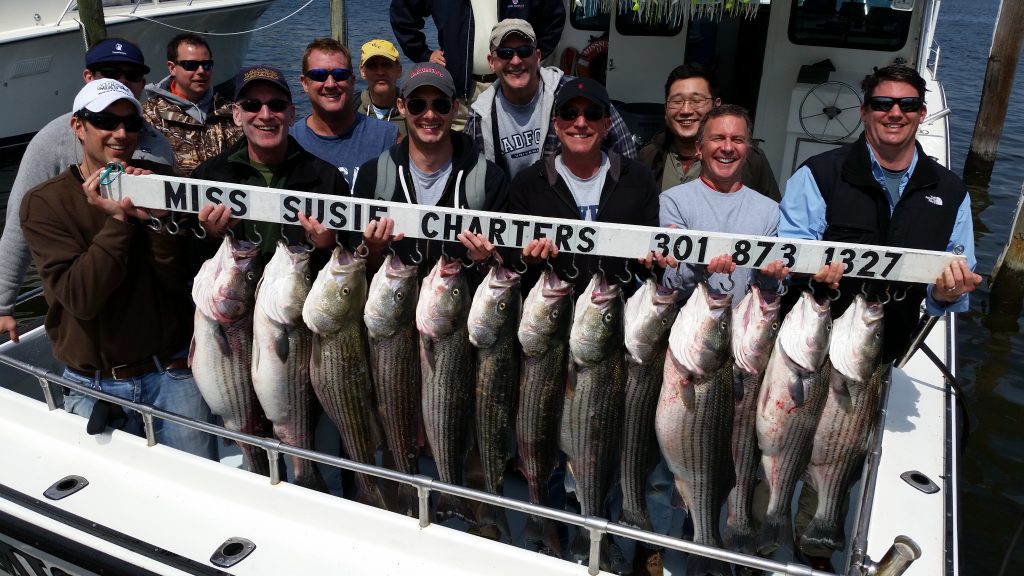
{"x":586,"y":191}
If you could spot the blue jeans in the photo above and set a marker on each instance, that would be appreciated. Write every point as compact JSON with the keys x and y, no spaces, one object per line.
{"x":171,"y":390}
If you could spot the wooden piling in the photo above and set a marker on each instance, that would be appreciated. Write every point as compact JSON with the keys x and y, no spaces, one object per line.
{"x":339,"y":26}
{"x":1012,"y":257}
{"x":90,"y":17}
{"x":995,"y":94}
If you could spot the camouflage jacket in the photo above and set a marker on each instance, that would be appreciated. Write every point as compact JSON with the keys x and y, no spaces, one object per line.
{"x":193,"y":142}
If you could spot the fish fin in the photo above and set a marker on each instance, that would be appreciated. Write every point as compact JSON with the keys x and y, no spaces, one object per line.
{"x":796,"y":390}
{"x":740,"y":538}
{"x":687,"y":393}
{"x":737,"y":385}
{"x":221,"y":337}
{"x":677,"y":497}
{"x":775,"y":531}
{"x":570,"y":478}
{"x":191,"y":350}
{"x":842,"y":392}
{"x":316,"y":359}
{"x":281,"y":344}
{"x":819,"y":534}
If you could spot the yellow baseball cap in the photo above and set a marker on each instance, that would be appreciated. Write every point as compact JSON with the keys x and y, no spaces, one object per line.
{"x":379,"y":47}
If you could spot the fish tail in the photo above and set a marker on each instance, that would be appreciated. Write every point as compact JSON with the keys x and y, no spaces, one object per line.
{"x":704,"y":566}
{"x":740,"y":538}
{"x":449,"y":506}
{"x":636,"y":519}
{"x":821,"y":534}
{"x":543,"y":531}
{"x":408,"y":501}
{"x":776,"y":530}
{"x":495,"y":516}
{"x":370,"y":494}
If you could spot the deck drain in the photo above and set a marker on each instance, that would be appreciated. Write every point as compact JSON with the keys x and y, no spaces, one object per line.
{"x":920,"y":481}
{"x":65,"y":487}
{"x":231,"y":552}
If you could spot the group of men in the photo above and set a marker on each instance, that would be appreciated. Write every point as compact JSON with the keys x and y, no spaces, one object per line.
{"x":536,"y":142}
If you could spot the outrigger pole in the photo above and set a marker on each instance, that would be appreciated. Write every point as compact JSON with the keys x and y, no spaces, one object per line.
{"x":879,"y":263}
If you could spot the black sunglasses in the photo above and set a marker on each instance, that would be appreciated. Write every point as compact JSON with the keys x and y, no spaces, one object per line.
{"x":418,"y":106}
{"x":885,"y":103}
{"x":253,"y":105}
{"x":321,"y":74}
{"x":110,"y":122}
{"x":193,"y":65}
{"x":570,"y":114}
{"x":116,"y":73}
{"x":524,"y":51}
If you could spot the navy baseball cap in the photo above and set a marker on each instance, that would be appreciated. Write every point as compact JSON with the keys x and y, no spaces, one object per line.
{"x":261,"y":73}
{"x":586,"y":88}
{"x":110,"y":50}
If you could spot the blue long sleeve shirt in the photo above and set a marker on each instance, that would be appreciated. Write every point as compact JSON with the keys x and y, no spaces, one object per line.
{"x":803,"y":216}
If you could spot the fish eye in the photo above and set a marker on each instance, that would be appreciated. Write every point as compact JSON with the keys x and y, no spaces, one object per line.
{"x":723,"y":325}
{"x":609,"y":317}
{"x":345,"y":291}
{"x":399,"y":295}
{"x":455,"y":291}
{"x":555,"y":313}
{"x":249,"y":275}
{"x":502,"y":306}
{"x":775,"y":325}
{"x":664,"y":321}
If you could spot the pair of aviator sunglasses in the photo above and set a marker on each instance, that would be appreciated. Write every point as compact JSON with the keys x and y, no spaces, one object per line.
{"x":321,"y":74}
{"x":417,"y":106}
{"x":590,"y":113}
{"x":524,"y":51}
{"x":193,"y":65}
{"x":253,"y":105}
{"x":110,"y":122}
{"x":885,"y":103}
{"x":115,"y":73}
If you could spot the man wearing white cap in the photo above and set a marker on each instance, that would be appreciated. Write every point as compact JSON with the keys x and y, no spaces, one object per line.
{"x":511,"y":121}
{"x":381,"y":69}
{"x":54,"y":148}
{"x":119,"y":309}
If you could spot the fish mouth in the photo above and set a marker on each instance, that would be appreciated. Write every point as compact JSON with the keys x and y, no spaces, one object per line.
{"x":449,"y":268}
{"x":396,"y":268}
{"x":342,"y":257}
{"x":243,"y":249}
{"x":554,"y":287}
{"x":605,"y":292}
{"x":503,"y":277}
{"x":663,"y":295}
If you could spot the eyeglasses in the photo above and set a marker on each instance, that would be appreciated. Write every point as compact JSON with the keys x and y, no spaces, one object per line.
{"x":115,"y":73}
{"x":252,"y":105}
{"x":417,"y":106}
{"x":524,"y":51}
{"x":110,"y":122}
{"x":193,"y":65}
{"x":885,"y":103}
{"x":695,"y":102}
{"x":321,"y":74}
{"x":591,"y":114}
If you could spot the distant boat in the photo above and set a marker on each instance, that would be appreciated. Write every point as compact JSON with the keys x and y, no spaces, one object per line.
{"x":42,"y":50}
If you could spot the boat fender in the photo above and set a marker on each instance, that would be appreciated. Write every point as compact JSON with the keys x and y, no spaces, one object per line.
{"x":568,"y":61}
{"x":593,"y":60}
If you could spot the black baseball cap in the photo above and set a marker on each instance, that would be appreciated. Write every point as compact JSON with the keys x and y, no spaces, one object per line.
{"x":587,"y":88}
{"x":115,"y":50}
{"x":428,"y":74}
{"x":260,"y":73}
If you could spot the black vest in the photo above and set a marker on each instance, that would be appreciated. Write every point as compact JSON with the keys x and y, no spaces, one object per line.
{"x":857,"y":211}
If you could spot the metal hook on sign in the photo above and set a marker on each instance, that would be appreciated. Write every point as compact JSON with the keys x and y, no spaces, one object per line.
{"x":901,"y":295}
{"x":888,"y":297}
{"x":309,"y":248}
{"x":173,"y":227}
{"x":524,"y":269}
{"x":259,"y":237}
{"x":153,"y":222}
{"x":864,"y":289}
{"x":629,"y":276}
{"x":417,"y":258}
{"x":444,"y":251}
{"x":783,"y":289}
{"x":361,"y":251}
{"x":468,"y":262}
{"x":199,"y":232}
{"x":837,"y":296}
{"x":575,"y":271}
{"x":230,"y":233}
{"x":728,"y":285}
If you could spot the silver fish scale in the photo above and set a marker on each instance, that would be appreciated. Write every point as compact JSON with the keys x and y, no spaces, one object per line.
{"x":840,"y":443}
{"x":448,"y":401}
{"x":396,"y":379}
{"x":541,"y":395}
{"x":697,"y":452}
{"x":746,"y":455}
{"x":639,"y":442}
{"x":592,"y":425}
{"x":225,"y":382}
{"x":496,"y":396}
{"x":339,"y":371}
{"x":289,"y":400}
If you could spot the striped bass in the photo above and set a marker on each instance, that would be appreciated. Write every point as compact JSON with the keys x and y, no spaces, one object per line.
{"x":339,"y":366}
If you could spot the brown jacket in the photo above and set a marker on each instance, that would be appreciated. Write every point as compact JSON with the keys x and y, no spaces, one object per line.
{"x":192,"y":141}
{"x":117,"y":291}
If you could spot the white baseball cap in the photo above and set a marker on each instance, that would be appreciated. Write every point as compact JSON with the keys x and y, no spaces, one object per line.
{"x":98,"y":94}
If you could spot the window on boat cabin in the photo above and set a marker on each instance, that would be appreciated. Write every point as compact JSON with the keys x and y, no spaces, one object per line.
{"x":858,"y":24}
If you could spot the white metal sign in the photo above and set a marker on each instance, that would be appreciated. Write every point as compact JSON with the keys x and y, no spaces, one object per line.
{"x":514,"y":230}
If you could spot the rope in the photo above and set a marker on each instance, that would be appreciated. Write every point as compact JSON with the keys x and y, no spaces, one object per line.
{"x":300,"y":9}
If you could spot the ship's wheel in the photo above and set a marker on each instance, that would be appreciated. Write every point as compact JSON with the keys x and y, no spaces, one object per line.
{"x":830,"y":112}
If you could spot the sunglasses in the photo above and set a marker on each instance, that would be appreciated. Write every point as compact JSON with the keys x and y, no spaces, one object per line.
{"x":321,"y":74}
{"x":115,"y":73}
{"x":591,"y":113}
{"x":253,"y":105}
{"x":418,"y":106}
{"x":110,"y":122}
{"x":193,"y":65}
{"x":524,"y":51}
{"x":885,"y":103}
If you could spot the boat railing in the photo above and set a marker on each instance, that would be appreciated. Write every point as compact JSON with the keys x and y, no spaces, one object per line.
{"x":135,"y":6}
{"x":597,"y":527}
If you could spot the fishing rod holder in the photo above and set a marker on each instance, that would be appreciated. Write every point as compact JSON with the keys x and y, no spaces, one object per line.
{"x":897,"y":559}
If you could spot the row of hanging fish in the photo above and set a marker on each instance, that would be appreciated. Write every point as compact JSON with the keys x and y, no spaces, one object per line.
{"x":718,"y":391}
